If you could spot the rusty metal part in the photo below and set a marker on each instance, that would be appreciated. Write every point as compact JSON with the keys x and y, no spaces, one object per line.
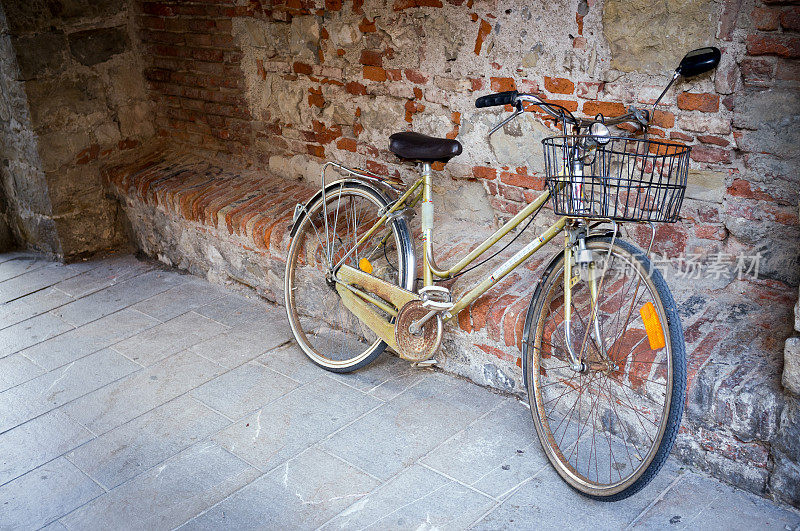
{"x":417,"y":347}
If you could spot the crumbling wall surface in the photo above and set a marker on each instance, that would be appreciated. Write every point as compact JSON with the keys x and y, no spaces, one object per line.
{"x":289,"y":85}
{"x":25,"y":208}
{"x":79,"y":96}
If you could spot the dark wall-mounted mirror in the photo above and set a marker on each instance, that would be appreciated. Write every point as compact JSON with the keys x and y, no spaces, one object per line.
{"x":699,"y":61}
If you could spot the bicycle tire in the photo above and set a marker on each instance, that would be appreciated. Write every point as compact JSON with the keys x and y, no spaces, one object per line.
{"x":300,"y":320}
{"x":677,"y":354}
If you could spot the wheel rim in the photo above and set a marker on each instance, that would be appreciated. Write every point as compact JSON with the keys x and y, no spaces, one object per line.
{"x":324,"y":328}
{"x":602,"y":428}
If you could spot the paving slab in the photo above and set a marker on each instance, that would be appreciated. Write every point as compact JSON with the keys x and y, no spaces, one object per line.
{"x":56,"y":388}
{"x":91,"y":337}
{"x":128,"y":450}
{"x":30,"y":332}
{"x":122,"y":401}
{"x":289,"y":360}
{"x":411,"y":425}
{"x":244,"y":390}
{"x":31,"y":305}
{"x":188,"y":296}
{"x":289,"y":425}
{"x":233,"y":309}
{"x":21,"y":264}
{"x":384,"y":378}
{"x":163,"y":340}
{"x":494,"y":453}
{"x":100,"y":274}
{"x":16,"y":369}
{"x":416,"y":498}
{"x":302,"y":494}
{"x":44,"y":494}
{"x":117,"y":297}
{"x":699,"y":502}
{"x":169,"y":494}
{"x":35,"y":280}
{"x":34,"y":443}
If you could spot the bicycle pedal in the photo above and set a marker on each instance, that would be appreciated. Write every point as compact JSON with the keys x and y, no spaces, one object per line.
{"x":426,"y":364}
{"x":436,"y":298}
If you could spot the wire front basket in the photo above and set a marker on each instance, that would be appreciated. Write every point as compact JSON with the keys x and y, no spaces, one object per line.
{"x":626,"y":179}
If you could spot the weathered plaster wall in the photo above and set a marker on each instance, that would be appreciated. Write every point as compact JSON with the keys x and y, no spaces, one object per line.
{"x":78,"y":95}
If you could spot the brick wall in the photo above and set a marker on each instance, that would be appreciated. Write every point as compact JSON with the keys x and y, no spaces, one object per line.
{"x":194,"y":75}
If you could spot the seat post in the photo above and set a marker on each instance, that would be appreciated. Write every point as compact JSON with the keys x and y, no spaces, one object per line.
{"x":427,"y":221}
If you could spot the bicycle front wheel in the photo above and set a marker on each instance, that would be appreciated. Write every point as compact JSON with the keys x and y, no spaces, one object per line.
{"x":327,"y":332}
{"x":609,"y":427}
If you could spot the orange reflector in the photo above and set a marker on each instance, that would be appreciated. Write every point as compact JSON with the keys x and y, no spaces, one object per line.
{"x":653,"y":326}
{"x":365,"y":266}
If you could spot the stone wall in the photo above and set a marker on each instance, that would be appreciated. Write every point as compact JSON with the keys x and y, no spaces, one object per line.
{"x":76,"y":95}
{"x":289,"y":85}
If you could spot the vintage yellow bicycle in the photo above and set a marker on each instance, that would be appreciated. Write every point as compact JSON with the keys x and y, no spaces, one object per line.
{"x":604,"y":359}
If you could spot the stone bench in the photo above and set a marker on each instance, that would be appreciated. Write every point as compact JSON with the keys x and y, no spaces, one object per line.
{"x":230,"y":225}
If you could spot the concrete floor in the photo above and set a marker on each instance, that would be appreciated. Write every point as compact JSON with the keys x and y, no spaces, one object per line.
{"x":133,"y":397}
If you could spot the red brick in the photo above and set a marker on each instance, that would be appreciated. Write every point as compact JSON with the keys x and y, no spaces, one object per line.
{"x":415,"y":76}
{"x":588,"y":90}
{"x":710,"y":154}
{"x":607,"y":109}
{"x":482,"y":172}
{"x":766,"y":18}
{"x":494,"y":351}
{"x":316,"y":151}
{"x":757,"y":71}
{"x":559,"y":85}
{"x":367,"y":26}
{"x":483,"y":31}
{"x":715,"y":140}
{"x":371,"y":58}
{"x":348,"y":144}
{"x":355,"y":88}
{"x":663,"y":119}
{"x":522,"y":179}
{"x":400,"y":5}
{"x":773,"y":45}
{"x":711,"y":232}
{"x":377,"y":167}
{"x":158,"y":9}
{"x":742,"y":188}
{"x":502,"y":84}
{"x":790,"y":19}
{"x":394,"y":74}
{"x":302,"y":68}
{"x":704,"y":102}
{"x":375,"y":73}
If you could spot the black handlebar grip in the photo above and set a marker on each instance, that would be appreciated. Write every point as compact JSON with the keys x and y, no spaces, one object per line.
{"x":499,"y":98}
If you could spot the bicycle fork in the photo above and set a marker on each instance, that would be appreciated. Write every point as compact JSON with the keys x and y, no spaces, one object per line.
{"x":584,"y":258}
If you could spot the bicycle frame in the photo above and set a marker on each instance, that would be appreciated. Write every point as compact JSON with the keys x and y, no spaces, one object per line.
{"x":357,"y":300}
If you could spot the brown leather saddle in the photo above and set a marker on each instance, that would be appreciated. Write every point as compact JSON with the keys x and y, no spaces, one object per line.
{"x":416,"y":146}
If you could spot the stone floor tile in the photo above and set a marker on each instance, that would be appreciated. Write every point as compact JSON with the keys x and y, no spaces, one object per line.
{"x":100,"y":274}
{"x":44,"y":494}
{"x":38,"y":441}
{"x":158,"y":342}
{"x":128,"y":450}
{"x":244,"y":342}
{"x":53,"y":389}
{"x":233,"y":309}
{"x":699,"y":502}
{"x":417,"y":498}
{"x":117,"y":297}
{"x":290,"y":360}
{"x":289,"y":425}
{"x":16,"y":369}
{"x":547,"y":502}
{"x":21,"y":264}
{"x":32,"y":305}
{"x":492,"y":442}
{"x":384,"y":378}
{"x":169,"y":494}
{"x":17,"y":255}
{"x":35,"y":280}
{"x":302,"y":494}
{"x":30,"y":332}
{"x":89,"y":338}
{"x":244,"y":389}
{"x":126,"y":399}
{"x":411,"y":425}
{"x":188,"y":296}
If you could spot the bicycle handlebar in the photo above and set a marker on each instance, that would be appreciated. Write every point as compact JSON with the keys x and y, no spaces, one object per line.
{"x":512,"y":97}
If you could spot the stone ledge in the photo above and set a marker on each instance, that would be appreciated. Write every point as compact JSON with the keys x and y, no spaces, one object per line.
{"x":230,"y":224}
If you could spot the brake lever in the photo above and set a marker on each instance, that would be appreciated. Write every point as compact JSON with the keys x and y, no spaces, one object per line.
{"x":516,"y":113}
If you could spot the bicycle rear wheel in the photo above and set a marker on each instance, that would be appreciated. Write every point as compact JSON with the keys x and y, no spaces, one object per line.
{"x":327,"y":332}
{"x":608,"y":428}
